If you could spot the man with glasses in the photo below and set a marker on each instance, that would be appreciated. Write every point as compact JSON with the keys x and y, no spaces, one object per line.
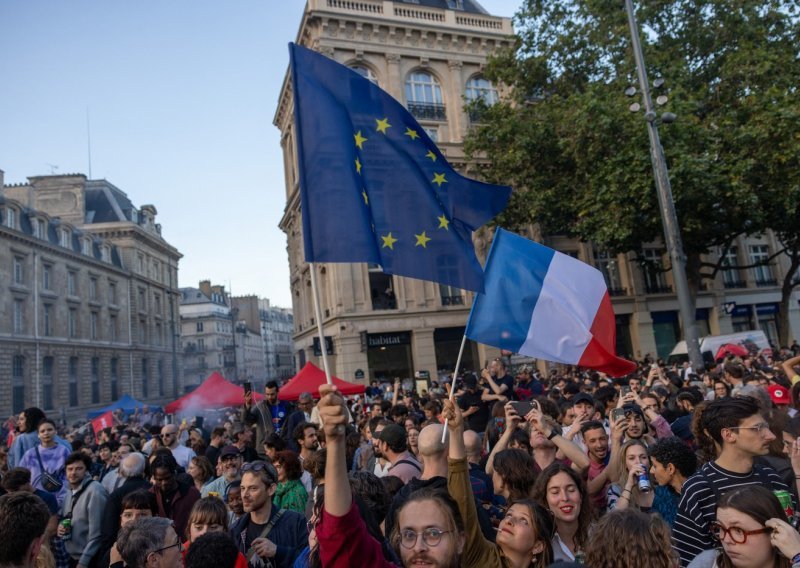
{"x":182,"y":454}
{"x":737,"y":430}
{"x":231,"y":460}
{"x":268,"y":537}
{"x":269,"y":415}
{"x":150,"y":542}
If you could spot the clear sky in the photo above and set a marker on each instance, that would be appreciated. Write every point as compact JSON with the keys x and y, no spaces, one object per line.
{"x":180,"y":97}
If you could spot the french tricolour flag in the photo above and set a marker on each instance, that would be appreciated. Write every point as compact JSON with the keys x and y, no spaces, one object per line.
{"x":545,"y":304}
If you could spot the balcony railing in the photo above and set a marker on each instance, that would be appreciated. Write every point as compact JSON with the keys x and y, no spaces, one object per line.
{"x":452,"y":300}
{"x":734,"y":284}
{"x":765,"y":282}
{"x":428,"y":111}
{"x":617,"y":291}
{"x":658,"y":289}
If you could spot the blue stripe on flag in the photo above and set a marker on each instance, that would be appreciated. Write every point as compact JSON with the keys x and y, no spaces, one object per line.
{"x":513,"y":278}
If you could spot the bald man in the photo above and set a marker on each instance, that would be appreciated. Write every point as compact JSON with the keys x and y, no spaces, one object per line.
{"x":482,"y":486}
{"x":182,"y":454}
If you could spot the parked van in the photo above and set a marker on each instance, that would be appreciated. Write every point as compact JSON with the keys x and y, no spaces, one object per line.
{"x":754,"y":341}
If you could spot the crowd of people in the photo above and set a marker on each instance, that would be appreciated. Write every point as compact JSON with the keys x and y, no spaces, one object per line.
{"x":662,"y":468}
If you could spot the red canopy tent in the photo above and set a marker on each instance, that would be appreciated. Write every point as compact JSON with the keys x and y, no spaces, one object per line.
{"x":309,"y":380}
{"x":215,"y":392}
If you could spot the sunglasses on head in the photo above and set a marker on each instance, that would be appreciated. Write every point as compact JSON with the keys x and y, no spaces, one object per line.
{"x":257,"y":466}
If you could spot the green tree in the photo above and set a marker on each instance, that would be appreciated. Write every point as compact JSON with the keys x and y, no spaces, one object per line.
{"x":578,"y":159}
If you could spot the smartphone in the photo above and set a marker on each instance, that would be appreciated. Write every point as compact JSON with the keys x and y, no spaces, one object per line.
{"x":524,"y":408}
{"x":248,"y":388}
{"x":626,"y":390}
{"x":618,"y":414}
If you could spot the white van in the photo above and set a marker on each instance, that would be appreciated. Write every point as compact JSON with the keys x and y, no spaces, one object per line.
{"x":754,"y":341}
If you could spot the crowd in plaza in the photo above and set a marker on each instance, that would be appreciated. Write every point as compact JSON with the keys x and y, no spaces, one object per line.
{"x":505,"y":468}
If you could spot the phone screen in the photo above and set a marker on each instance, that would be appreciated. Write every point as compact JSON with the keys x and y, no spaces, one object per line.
{"x":522,"y":408}
{"x":248,"y":388}
{"x":618,"y":414}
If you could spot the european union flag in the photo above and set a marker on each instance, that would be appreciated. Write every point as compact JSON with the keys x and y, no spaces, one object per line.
{"x":374,"y":187}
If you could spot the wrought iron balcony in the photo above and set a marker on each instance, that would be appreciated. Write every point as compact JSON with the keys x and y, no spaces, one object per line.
{"x":766,"y":282}
{"x":428,"y":111}
{"x":735,"y":284}
{"x":658,"y":289}
{"x":617,"y":291}
{"x":452,"y":300}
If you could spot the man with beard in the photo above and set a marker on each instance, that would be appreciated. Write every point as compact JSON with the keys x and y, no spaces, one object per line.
{"x":305,"y":436}
{"x":175,"y":496}
{"x":265,"y":535}
{"x":596,"y":440}
{"x":269,"y":415}
{"x":737,"y":427}
{"x":83,"y":505}
{"x":170,"y":439}
{"x":231,"y":461}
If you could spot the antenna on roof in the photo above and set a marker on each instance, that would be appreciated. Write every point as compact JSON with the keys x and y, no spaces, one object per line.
{"x":89,"y":141}
{"x":53,"y":168}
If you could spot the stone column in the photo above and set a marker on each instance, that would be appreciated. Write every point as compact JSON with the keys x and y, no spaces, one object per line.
{"x":423,"y":351}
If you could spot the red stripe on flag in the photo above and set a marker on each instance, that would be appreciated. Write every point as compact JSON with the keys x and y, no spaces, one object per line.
{"x":600,"y":354}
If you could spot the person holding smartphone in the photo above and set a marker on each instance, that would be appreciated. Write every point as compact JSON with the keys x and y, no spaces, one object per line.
{"x":501,"y":384}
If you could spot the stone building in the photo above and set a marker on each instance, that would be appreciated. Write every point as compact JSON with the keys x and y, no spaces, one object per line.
{"x":88,"y":301}
{"x":428,"y":55}
{"x":206,"y":332}
{"x":274,"y":327}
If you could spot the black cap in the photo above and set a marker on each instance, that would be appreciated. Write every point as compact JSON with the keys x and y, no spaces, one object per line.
{"x":393,"y":434}
{"x":583,"y":397}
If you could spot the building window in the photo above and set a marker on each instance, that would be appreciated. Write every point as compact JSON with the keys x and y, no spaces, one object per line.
{"x":72,"y":321}
{"x":159,"y":337}
{"x":73,"y":381}
{"x":112,"y":327}
{"x":142,"y":303}
{"x":72,"y":286}
{"x":48,"y":319}
{"x":19,"y":309}
{"x":157,"y":302}
{"x":47,"y":277}
{"x":65,"y":238}
{"x":142,"y":331}
{"x":381,"y":288}
{"x":39,"y":229}
{"x":114,"y":379}
{"x":19,"y":270}
{"x":653,"y":267}
{"x":450,"y":295}
{"x":199,"y":327}
{"x":11,"y":218}
{"x":18,"y":383}
{"x":424,"y":96}
{"x":47,"y":382}
{"x":608,"y":266}
{"x":95,"y":380}
{"x":93,"y":325}
{"x":730,"y":276}
{"x":105,"y":254}
{"x":762,"y":274}
{"x":365,"y":72}
{"x":112,"y":293}
{"x":480,"y":89}
{"x":93,"y":288}
{"x":145,"y":380}
{"x":160,"y":377}
{"x":86,"y":247}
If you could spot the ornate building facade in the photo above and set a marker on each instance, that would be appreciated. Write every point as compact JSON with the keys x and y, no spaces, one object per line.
{"x":88,"y":304}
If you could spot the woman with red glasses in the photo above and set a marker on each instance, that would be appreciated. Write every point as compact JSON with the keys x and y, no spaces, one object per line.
{"x":752,"y":530}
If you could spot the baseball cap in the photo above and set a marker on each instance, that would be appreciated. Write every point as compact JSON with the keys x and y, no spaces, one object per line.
{"x":582,"y":397}
{"x":779,"y":394}
{"x":229,"y":451}
{"x":393,"y":434}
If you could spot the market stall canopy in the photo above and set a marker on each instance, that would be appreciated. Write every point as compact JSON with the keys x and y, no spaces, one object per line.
{"x":215,"y":392}
{"x":126,"y":402}
{"x":309,"y":380}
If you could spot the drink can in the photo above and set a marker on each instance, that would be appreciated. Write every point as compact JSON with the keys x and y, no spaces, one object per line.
{"x":786,"y":502}
{"x":67,"y":524}
{"x":644,"y":483}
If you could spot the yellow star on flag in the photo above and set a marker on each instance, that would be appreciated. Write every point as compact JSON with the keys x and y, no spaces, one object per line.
{"x":438,"y":179}
{"x":388,"y":241}
{"x":366,"y":198}
{"x":443,"y":223}
{"x":411,"y":133}
{"x":431,"y":155}
{"x":358,"y":166}
{"x":359,"y":140}
{"x":422,"y":240}
{"x":383,"y":125}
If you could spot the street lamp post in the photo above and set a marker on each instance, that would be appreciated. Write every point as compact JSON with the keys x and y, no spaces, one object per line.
{"x":664,"y":190}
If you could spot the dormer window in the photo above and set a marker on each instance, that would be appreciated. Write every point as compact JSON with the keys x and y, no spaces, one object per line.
{"x":39,"y":228}
{"x":11,"y":218}
{"x":86,"y":247}
{"x":65,"y":238}
{"x":105,"y":253}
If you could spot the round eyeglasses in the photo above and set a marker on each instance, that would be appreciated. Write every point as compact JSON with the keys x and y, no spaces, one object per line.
{"x":737,"y":534}
{"x":430,"y":536}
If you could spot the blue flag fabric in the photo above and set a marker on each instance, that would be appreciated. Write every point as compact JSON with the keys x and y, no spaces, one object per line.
{"x":374,"y":187}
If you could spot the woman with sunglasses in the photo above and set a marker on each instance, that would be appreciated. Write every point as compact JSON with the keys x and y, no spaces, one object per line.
{"x":752,"y":530}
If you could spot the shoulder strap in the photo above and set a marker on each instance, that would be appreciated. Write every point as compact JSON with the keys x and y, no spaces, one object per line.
{"x":272,"y":522}
{"x":39,"y":457}
{"x":411,"y":463}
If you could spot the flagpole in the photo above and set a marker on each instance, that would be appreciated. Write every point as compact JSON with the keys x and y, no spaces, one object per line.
{"x":318,"y":315}
{"x":453,"y":383}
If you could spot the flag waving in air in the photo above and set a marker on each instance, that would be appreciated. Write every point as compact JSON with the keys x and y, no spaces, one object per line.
{"x":374,"y":187}
{"x":545,"y":304}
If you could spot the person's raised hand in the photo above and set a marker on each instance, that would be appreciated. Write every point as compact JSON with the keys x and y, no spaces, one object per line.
{"x":794,"y":456}
{"x":535,"y":418}
{"x":512,"y":418}
{"x":452,"y":413}
{"x":332,"y":412}
{"x":784,"y":537}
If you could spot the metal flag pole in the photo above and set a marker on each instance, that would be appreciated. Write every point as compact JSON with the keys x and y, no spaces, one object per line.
{"x":318,"y":316}
{"x":453,"y":383}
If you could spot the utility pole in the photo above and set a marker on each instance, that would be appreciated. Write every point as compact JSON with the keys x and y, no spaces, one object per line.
{"x":669,"y":218}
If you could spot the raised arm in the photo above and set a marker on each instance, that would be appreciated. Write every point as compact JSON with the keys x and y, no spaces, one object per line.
{"x":570,"y":449}
{"x":788,"y":368}
{"x":332,"y":411}
{"x":512,"y":419}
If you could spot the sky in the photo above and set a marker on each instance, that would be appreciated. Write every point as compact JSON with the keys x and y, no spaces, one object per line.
{"x":177,"y":99}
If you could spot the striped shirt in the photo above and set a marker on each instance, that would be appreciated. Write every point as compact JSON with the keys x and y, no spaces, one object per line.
{"x":691,"y":533}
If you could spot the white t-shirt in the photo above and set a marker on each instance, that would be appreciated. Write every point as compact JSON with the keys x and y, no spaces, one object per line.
{"x":183,"y":455}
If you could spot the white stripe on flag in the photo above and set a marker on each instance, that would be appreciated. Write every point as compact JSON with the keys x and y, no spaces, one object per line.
{"x":563,"y":315}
